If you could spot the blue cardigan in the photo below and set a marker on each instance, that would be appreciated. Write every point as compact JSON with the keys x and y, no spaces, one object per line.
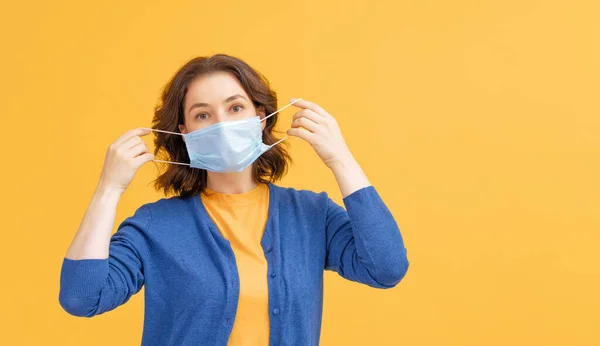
{"x":173,"y":248}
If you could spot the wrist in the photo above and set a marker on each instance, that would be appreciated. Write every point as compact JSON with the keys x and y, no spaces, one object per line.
{"x":342,"y":162}
{"x":349,"y":175}
{"x":104,"y":189}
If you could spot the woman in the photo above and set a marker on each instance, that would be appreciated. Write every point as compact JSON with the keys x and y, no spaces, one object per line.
{"x":231,"y":258}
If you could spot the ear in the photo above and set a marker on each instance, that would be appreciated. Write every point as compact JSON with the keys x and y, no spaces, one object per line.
{"x":183,"y":130}
{"x":260,"y":111}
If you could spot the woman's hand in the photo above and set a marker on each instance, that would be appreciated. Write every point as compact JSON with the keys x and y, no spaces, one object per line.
{"x":321,"y":131}
{"x":123,"y":158}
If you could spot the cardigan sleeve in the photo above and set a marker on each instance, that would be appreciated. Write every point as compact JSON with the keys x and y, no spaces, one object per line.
{"x":364,"y":243}
{"x":90,"y":287}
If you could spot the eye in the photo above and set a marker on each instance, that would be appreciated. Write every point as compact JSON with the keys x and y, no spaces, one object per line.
{"x":202,"y":116}
{"x":237,"y":106}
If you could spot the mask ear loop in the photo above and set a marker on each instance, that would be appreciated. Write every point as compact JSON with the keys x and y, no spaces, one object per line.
{"x":181,"y":134}
{"x":169,"y":132}
{"x":277,"y":111}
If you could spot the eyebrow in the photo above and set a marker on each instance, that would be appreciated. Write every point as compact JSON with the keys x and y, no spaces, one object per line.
{"x":230,"y":98}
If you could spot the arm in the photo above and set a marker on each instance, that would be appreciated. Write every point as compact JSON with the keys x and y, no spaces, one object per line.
{"x":95,"y":261}
{"x":93,"y":236}
{"x":90,"y":287}
{"x":364,"y":243}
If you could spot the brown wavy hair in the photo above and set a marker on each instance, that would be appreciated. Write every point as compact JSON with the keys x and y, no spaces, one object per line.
{"x":184,"y":181}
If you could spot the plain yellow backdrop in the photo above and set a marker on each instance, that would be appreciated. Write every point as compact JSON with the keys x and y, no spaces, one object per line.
{"x":477,"y":121}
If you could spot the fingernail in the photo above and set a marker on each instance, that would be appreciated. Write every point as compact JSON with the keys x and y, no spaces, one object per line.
{"x":293,"y":99}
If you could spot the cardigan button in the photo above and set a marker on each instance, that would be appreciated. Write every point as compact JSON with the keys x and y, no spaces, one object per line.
{"x":273,"y":274}
{"x":269,"y":248}
{"x":276,"y":311}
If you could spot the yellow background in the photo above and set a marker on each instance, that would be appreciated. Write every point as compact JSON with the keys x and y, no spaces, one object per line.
{"x":477,"y":121}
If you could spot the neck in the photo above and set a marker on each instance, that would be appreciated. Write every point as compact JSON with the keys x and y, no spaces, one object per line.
{"x":231,"y":183}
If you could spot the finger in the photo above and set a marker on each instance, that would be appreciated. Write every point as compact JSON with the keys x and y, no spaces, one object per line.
{"x":310,"y":105}
{"x":140,"y":160}
{"x":317,"y":118}
{"x":131,"y":133}
{"x":306,"y":123}
{"x":304,"y":134}
{"x":131,"y":142}
{"x":137,"y":150}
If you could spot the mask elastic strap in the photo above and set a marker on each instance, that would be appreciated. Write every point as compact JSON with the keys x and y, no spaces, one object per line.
{"x":175,"y":163}
{"x":181,"y":134}
{"x":280,"y":109}
{"x":277,"y":111}
{"x":279,"y":141}
{"x":169,"y":132}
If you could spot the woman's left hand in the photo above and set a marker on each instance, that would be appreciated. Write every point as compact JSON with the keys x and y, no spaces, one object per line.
{"x":313,"y":124}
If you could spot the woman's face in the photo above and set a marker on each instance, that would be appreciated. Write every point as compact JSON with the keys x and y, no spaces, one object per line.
{"x":213,"y":98}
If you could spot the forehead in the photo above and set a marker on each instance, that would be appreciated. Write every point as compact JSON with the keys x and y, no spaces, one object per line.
{"x":213,"y":88}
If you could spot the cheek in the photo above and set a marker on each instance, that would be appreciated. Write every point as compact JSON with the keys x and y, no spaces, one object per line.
{"x":191,"y":126}
{"x":194,"y":127}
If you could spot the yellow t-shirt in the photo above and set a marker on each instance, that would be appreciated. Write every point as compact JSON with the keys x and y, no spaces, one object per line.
{"x":242,"y":218}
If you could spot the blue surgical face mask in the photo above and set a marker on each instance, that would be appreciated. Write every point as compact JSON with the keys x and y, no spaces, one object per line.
{"x":227,"y":146}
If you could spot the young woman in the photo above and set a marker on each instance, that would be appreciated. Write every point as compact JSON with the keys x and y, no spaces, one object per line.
{"x":231,"y":258}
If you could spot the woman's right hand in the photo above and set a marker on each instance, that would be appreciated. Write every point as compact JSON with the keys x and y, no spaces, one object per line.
{"x":123,"y":158}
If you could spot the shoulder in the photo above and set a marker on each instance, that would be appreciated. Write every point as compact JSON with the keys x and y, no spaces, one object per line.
{"x":154,"y":222}
{"x":171,"y":208}
{"x":290,"y":196}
